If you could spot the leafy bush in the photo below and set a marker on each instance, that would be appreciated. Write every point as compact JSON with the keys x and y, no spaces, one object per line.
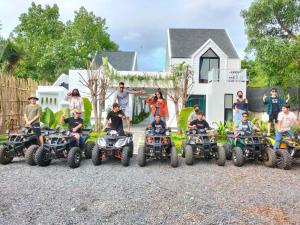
{"x":48,"y":117}
{"x":183,"y":117}
{"x":87,"y":107}
{"x":139,"y":118}
{"x":177,"y":139}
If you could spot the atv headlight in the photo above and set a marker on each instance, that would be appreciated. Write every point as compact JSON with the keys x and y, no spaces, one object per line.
{"x":247,"y":141}
{"x":121,"y":142}
{"x":101,"y":142}
{"x":168,"y":133}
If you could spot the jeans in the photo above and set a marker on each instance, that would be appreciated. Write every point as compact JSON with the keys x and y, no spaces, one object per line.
{"x":278,"y":137}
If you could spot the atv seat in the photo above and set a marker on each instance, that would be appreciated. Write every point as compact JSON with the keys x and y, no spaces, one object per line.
{"x":86,"y":132}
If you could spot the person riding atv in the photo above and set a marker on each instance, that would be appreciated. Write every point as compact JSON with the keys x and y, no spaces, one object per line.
{"x":74,"y":123}
{"x":245,"y":125}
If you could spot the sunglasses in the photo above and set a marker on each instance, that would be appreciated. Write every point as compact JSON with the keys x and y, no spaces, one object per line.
{"x":245,"y":116}
{"x":122,"y":87}
{"x":274,"y":91}
{"x":78,"y":113}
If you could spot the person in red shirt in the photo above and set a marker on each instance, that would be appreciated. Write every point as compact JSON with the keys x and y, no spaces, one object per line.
{"x":159,"y":106}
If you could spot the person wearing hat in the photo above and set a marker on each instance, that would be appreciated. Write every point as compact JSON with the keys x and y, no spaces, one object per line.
{"x":32,"y":116}
{"x":116,"y":116}
{"x":285,"y":121}
{"x":74,"y":123}
{"x":274,"y":105}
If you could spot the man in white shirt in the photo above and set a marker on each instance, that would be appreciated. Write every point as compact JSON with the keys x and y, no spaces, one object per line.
{"x":285,"y":121}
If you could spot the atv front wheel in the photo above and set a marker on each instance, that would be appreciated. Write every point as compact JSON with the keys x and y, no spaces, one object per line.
{"x":96,"y":156}
{"x":42,"y":157}
{"x":131,"y":149}
{"x":183,"y":148}
{"x":74,"y":157}
{"x":174,"y":157}
{"x":221,"y":156}
{"x":88,"y":149}
{"x":5,"y":157}
{"x":269,"y":157}
{"x":238,"y":156}
{"x":189,"y":155}
{"x":142,"y":156}
{"x":30,"y":155}
{"x":228,"y":151}
{"x":125,"y":158}
{"x":284,"y":159}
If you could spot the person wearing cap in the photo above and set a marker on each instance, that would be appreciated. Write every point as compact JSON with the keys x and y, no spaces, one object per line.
{"x":122,"y":98}
{"x":75,"y":123}
{"x":74,"y":99}
{"x":240,"y":105}
{"x":116,"y":116}
{"x":285,"y":121}
{"x":274,"y":105}
{"x":32,"y":116}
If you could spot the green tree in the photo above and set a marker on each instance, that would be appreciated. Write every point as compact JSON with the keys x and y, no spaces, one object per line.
{"x":272,"y":27}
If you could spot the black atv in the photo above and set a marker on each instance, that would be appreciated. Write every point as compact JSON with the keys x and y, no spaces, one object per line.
{"x":20,"y":143}
{"x":61,"y":144}
{"x":158,"y":145}
{"x":115,"y":145}
{"x":243,"y":146}
{"x":201,"y":145}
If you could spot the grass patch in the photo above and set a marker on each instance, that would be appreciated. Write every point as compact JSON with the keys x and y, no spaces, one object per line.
{"x":3,"y":138}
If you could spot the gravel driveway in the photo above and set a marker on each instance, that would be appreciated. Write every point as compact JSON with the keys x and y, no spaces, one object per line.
{"x":156,"y":194}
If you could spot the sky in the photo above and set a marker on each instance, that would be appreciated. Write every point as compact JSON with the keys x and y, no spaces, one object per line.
{"x":141,"y":25}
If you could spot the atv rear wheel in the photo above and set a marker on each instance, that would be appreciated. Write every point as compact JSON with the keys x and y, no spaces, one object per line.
{"x":131,"y":149}
{"x":142,"y":156}
{"x":228,"y":151}
{"x":220,"y":156}
{"x":30,"y":155}
{"x":125,"y":158}
{"x":238,"y":156}
{"x":74,"y":157}
{"x":88,"y":149}
{"x":5,"y":157}
{"x":189,"y":155}
{"x":269,"y":157}
{"x":96,"y":156}
{"x":284,"y":159}
{"x":183,"y":148}
{"x":42,"y":157}
{"x":174,"y":157}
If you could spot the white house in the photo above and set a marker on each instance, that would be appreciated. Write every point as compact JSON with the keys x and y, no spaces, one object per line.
{"x":216,"y":68}
{"x":214,"y":60}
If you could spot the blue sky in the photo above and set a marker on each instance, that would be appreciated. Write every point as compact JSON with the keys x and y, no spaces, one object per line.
{"x":141,"y":25}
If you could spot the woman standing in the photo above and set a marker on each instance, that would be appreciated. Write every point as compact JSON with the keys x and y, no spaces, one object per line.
{"x":75,"y":101}
{"x":159,"y":106}
{"x":240,"y":105}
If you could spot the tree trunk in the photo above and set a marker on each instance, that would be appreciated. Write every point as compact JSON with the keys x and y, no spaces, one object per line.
{"x":185,"y":92}
{"x":177,"y":116}
{"x":95,"y":110}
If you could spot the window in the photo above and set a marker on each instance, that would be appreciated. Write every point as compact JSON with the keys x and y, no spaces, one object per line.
{"x":228,"y":104}
{"x":199,"y":100}
{"x":208,"y":61}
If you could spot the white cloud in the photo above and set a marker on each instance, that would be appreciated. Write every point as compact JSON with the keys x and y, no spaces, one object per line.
{"x":132,"y":36}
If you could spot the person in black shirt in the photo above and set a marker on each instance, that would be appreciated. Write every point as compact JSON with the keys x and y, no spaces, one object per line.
{"x":200,"y":124}
{"x":116,"y":116}
{"x":74,"y":123}
{"x":158,"y":124}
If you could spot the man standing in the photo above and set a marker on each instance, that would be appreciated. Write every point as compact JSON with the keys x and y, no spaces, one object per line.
{"x":32,"y":116}
{"x":122,"y":97}
{"x":285,"y":121}
{"x":274,"y":105}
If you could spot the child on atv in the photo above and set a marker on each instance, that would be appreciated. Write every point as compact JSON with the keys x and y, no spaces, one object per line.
{"x":74,"y":123}
{"x":245,"y":125}
{"x":158,"y":124}
{"x":116,"y":116}
{"x":200,"y":124}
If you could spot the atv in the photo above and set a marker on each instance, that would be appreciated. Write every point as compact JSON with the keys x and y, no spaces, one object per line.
{"x":22,"y":143}
{"x":157,"y":145}
{"x":243,"y":147}
{"x":116,"y":144}
{"x":199,"y":144}
{"x":61,"y":144}
{"x":288,"y":152}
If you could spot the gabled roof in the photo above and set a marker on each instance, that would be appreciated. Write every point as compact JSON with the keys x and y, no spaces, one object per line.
{"x":185,"y":42}
{"x":121,"y":61}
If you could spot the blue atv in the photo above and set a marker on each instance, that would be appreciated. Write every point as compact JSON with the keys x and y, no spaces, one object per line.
{"x":61,"y":144}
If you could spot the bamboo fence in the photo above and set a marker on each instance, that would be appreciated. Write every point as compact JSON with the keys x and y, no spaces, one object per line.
{"x":14,"y":93}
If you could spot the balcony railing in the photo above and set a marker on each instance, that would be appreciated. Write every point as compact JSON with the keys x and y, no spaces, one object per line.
{"x":216,"y":75}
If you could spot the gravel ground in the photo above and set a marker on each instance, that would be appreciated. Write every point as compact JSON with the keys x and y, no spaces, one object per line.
{"x":156,"y":194}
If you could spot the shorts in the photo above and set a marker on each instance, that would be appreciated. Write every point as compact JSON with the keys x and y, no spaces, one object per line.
{"x":36,"y":129}
{"x":127,"y":111}
{"x":272,"y":117}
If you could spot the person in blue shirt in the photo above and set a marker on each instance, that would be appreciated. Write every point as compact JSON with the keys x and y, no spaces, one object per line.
{"x":245,"y":125}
